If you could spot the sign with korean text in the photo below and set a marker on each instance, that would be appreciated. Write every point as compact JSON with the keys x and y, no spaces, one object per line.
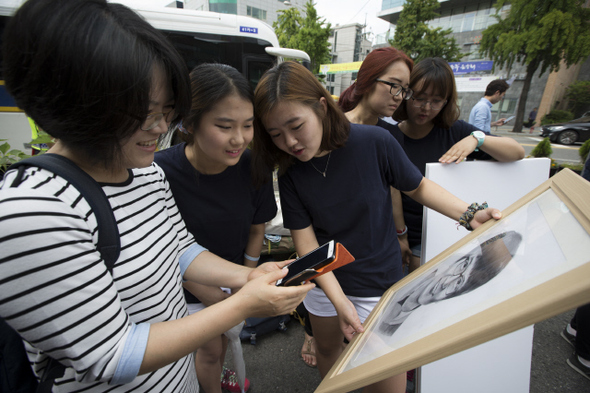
{"x":465,"y":67}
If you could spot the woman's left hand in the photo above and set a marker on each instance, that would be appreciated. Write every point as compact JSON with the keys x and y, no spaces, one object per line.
{"x":350,"y":323}
{"x":484,"y":215}
{"x":459,"y":151}
{"x":267,"y":267}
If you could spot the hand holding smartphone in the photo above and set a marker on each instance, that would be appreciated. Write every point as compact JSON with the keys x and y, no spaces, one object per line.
{"x":315,"y":263}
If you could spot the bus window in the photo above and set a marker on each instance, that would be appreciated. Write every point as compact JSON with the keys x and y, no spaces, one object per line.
{"x":245,"y":54}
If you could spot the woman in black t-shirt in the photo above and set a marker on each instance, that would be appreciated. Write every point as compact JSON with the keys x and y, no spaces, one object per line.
{"x":429,"y":131}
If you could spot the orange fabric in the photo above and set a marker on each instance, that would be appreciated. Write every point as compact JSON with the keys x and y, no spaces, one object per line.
{"x":341,"y":257}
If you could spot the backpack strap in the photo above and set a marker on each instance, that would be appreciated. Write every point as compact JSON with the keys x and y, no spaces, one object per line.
{"x":109,"y":245}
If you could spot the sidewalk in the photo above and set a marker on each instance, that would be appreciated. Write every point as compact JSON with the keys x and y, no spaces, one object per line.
{"x":507,"y":131}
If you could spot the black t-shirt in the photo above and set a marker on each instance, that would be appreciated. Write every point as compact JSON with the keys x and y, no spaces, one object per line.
{"x":425,"y":150}
{"x":217,"y":209}
{"x":352,"y":205}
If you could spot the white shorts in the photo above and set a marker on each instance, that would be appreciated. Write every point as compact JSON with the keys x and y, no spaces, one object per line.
{"x":194,"y":307}
{"x":317,"y":303}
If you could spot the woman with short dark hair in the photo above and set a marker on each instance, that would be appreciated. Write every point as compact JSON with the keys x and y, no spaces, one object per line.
{"x":106,"y":84}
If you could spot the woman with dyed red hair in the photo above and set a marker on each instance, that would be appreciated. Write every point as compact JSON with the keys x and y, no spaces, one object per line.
{"x":380,"y":87}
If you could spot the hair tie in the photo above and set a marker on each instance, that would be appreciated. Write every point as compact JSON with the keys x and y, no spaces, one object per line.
{"x":181,"y":128}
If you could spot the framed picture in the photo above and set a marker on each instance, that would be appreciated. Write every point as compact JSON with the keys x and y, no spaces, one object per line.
{"x":531,"y":265}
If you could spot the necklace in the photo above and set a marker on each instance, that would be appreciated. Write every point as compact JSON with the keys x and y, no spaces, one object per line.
{"x":325,"y":169}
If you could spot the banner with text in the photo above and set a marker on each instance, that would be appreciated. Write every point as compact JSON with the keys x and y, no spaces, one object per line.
{"x":340,"y":68}
{"x":474,"y":84}
{"x":465,"y":67}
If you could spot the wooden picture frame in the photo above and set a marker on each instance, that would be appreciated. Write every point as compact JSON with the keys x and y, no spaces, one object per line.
{"x":542,"y":245}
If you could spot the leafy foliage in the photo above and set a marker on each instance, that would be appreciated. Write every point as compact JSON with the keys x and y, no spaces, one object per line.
{"x":584,"y":150}
{"x":543,"y":149}
{"x":417,"y":39}
{"x":557,"y":116}
{"x":538,"y":34}
{"x":9,"y":156}
{"x":309,"y":34}
{"x":578,"y":93}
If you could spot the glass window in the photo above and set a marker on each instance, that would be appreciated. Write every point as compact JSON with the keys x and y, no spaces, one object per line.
{"x":456,"y":22}
{"x":224,"y":6}
{"x":508,"y":106}
{"x":246,"y":54}
{"x":256,"y":13}
{"x":481,"y":19}
{"x":468,"y":21}
{"x":387,"y":4}
{"x":445,"y":22}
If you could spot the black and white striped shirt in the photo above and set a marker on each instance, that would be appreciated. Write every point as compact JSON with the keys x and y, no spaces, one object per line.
{"x":56,"y":291}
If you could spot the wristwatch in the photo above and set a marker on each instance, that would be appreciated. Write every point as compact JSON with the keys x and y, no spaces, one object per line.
{"x":480,"y":136}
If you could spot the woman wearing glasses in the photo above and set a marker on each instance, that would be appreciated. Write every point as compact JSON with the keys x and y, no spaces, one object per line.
{"x":107,"y":87}
{"x":380,"y":87}
{"x":430,"y":132}
{"x":334,"y":182}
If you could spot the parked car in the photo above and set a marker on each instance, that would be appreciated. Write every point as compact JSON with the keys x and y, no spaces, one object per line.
{"x":577,"y":130}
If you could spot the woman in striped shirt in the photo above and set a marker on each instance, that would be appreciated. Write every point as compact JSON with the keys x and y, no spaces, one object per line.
{"x":106,"y":85}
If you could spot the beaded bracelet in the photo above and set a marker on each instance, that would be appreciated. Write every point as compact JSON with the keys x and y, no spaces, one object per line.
{"x":403,"y":231}
{"x":466,"y":217}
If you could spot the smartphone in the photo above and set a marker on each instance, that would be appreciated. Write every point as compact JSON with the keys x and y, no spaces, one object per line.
{"x":303,"y":268}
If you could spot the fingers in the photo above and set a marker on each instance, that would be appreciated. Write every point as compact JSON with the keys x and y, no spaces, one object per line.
{"x":290,"y":298}
{"x":496,"y":213}
{"x":276,"y":274}
{"x":456,"y":157}
{"x":282,"y":264}
{"x":484,"y":215}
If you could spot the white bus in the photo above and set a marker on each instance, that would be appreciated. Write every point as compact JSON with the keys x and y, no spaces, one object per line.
{"x":248,"y":44}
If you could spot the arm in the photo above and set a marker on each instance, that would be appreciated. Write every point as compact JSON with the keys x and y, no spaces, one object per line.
{"x":169,"y":341}
{"x":254,"y":246}
{"x":207,"y":295}
{"x":400,"y":224}
{"x":305,"y":241}
{"x":501,"y":149}
{"x":437,"y":198}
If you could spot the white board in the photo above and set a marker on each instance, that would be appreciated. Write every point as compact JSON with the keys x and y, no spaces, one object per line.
{"x":501,"y":365}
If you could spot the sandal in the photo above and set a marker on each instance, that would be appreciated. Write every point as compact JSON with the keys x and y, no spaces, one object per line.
{"x":309,"y":352}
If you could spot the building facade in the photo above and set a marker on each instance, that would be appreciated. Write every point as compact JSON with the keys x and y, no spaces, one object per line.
{"x":348,"y":44}
{"x":265,"y":10}
{"x":468,"y":19}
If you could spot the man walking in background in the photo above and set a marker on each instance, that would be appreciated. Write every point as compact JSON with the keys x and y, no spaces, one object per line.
{"x":481,"y":113}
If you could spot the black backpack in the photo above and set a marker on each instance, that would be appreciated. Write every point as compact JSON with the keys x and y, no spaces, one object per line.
{"x":16,"y":374}
{"x":255,"y":327}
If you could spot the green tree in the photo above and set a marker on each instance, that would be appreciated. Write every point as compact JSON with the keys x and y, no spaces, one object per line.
{"x":417,"y":39}
{"x":578,"y":94}
{"x":538,"y":34}
{"x":309,"y":34}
